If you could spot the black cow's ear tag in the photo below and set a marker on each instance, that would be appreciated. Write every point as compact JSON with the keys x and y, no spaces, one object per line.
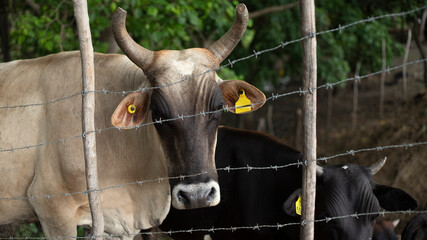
{"x":298,"y":205}
{"x":243,"y":104}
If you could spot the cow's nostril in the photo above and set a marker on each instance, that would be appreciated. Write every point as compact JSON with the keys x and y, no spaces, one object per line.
{"x":182,"y":197}
{"x":211,"y":195}
{"x":213,"y":191}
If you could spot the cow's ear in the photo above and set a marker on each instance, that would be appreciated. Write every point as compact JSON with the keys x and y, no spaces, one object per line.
{"x":131,"y":111}
{"x":289,"y":205}
{"x":394,"y":199}
{"x":232,"y":91}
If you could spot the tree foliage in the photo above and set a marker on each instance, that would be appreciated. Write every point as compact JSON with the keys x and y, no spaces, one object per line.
{"x":179,"y":24}
{"x":337,"y":52}
{"x":156,"y":24}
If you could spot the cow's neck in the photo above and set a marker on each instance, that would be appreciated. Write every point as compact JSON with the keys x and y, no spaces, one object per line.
{"x":127,"y":157}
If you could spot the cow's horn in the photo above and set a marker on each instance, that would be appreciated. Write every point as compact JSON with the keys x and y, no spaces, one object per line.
{"x":377,"y":166}
{"x":223,"y":46}
{"x":139,"y":55}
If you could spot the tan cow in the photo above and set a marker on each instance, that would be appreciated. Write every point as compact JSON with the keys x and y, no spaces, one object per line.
{"x":173,"y":148}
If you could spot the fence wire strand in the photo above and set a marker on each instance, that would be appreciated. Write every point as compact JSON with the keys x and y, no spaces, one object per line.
{"x":229,"y":64}
{"x":213,"y":229}
{"x":228,"y":169}
{"x":182,"y":117}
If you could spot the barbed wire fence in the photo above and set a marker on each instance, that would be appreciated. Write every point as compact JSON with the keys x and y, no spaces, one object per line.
{"x":227,"y":169}
{"x":247,"y":168}
{"x":256,"y":227}
{"x":230,"y":62}
{"x":182,"y":117}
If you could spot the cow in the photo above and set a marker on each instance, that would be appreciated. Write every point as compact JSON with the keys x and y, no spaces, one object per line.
{"x":36,"y":163}
{"x":267,"y":197}
{"x":416,"y":229}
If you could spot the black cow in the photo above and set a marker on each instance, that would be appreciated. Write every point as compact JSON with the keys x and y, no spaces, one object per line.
{"x":416,"y":229}
{"x":268,"y":197}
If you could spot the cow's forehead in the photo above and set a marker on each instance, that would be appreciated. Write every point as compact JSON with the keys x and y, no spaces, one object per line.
{"x":349,"y":170}
{"x":188,"y":58}
{"x":184,"y":69}
{"x":355,"y":175}
{"x":350,"y":177}
{"x":350,"y":184}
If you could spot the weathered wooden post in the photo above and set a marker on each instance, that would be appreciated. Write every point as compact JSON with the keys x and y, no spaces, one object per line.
{"x":382,"y":83}
{"x":309,"y":79}
{"x":88,"y":114}
{"x":355,"y":96}
{"x":405,"y":60}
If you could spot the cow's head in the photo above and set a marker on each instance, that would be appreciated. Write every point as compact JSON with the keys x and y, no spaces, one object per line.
{"x":343,"y":190}
{"x":189,"y":144}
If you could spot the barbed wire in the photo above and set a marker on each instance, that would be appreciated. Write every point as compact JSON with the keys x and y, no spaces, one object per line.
{"x":247,"y":168}
{"x":86,"y":192}
{"x":43,"y":103}
{"x":378,"y":149}
{"x":213,"y":229}
{"x":355,"y":78}
{"x":311,"y":35}
{"x":229,"y":64}
{"x":203,"y":113}
{"x":278,"y":226}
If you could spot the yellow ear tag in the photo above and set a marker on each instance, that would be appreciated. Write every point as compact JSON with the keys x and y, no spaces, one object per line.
{"x":131,"y":109}
{"x":298,"y":205}
{"x":243,"y":104}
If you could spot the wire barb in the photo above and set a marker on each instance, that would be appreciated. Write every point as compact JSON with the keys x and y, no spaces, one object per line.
{"x":256,"y":53}
{"x":230,"y":63}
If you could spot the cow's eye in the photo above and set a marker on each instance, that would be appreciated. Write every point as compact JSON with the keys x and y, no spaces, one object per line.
{"x":219,"y":107}
{"x":215,"y":113}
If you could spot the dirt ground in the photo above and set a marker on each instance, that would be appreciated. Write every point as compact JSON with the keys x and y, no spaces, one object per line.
{"x":402,"y":122}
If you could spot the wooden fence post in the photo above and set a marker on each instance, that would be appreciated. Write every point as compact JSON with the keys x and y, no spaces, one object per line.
{"x":355,"y":96}
{"x":382,"y":83}
{"x":309,"y":78}
{"x":405,"y":60}
{"x":329,"y":109}
{"x":88,"y":114}
{"x":270,"y":119}
{"x":298,"y":131}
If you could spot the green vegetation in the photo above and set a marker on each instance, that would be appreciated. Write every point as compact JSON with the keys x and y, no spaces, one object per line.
{"x":163,"y":24}
{"x":29,"y":230}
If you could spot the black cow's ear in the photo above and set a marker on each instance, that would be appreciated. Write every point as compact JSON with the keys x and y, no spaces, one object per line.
{"x":289,"y":205}
{"x":394,"y":199}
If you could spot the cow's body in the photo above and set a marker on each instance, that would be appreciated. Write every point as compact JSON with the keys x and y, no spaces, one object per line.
{"x":59,"y":167}
{"x":258,"y":196}
{"x":416,"y":229}
{"x":170,"y":149}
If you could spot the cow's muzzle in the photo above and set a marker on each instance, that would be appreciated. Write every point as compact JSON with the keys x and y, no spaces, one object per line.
{"x":195,"y":195}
